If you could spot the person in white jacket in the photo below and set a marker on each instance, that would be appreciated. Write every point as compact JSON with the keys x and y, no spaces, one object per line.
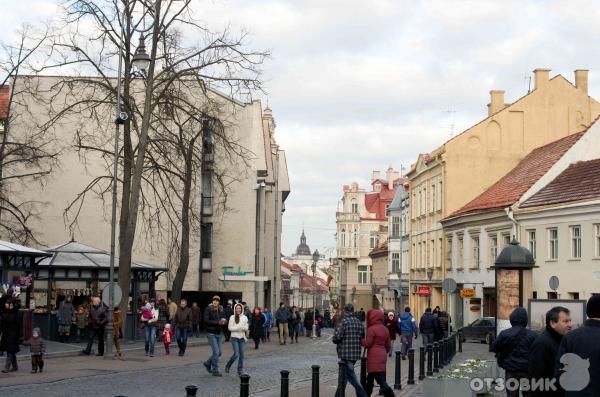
{"x":149,"y":317}
{"x":238,"y":326}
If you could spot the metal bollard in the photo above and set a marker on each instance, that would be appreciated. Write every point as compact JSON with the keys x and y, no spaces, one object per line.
{"x":442,"y":353}
{"x":421,"y":363}
{"x":363,"y":372}
{"x":315,"y":381}
{"x":244,"y":385}
{"x":190,"y":390}
{"x":436,"y":357}
{"x":411,"y":367}
{"x":429,"y":359}
{"x":447,"y":352}
{"x":285,"y":383}
{"x":341,"y":389}
{"x":460,"y":341}
{"x":398,"y":372}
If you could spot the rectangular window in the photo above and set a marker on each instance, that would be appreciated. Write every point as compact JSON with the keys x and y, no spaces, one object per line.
{"x":475,"y":253}
{"x":439,"y":204}
{"x":597,"y":239}
{"x":363,"y":274}
{"x":395,"y":262}
{"x":552,"y":295}
{"x":459,"y":249}
{"x":433,"y":198}
{"x":576,"y":242}
{"x":448,"y":252}
{"x":531,"y":242}
{"x":493,"y":249}
{"x":396,"y":226}
{"x":574,"y":295}
{"x":553,"y":243}
{"x":432,"y":258}
{"x":207,"y":240}
{"x":374,"y":240}
{"x":506,"y":239}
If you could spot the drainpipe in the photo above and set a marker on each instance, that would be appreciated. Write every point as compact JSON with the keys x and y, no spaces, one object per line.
{"x":276,"y":251}
{"x":510,"y":215}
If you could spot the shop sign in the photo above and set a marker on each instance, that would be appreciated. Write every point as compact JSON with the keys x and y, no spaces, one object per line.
{"x":467,"y":292}
{"x":424,"y":291}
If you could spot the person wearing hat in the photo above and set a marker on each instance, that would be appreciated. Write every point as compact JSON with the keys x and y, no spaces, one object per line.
{"x":578,"y":372}
{"x":214,"y":320}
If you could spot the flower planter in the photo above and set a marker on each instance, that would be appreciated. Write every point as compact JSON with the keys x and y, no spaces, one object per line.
{"x":447,"y":387}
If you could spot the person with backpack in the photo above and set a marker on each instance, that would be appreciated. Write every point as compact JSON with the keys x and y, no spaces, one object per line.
{"x":428,"y":327}
{"x":512,"y":348}
{"x":407,"y":328}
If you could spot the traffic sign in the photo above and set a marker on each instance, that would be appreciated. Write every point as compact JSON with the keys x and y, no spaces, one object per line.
{"x":449,"y":285}
{"x":118,"y":294}
{"x":553,"y":283}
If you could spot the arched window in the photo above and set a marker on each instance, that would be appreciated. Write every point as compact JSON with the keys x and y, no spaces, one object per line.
{"x":343,"y":237}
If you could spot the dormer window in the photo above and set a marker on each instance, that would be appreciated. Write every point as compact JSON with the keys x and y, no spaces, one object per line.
{"x":377,"y":187}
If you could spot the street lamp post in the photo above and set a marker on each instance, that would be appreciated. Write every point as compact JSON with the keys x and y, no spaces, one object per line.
{"x":314,"y":270}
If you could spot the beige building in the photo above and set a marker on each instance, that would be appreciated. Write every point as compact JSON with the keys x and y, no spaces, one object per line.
{"x":244,"y":240}
{"x":361,"y":227}
{"x":455,"y":173}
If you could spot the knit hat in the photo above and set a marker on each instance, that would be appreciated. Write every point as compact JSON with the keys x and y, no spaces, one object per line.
{"x":36,"y":331}
{"x":593,"y":306}
{"x":148,"y":306}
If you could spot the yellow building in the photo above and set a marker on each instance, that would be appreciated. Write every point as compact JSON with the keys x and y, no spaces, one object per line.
{"x":466,"y":165}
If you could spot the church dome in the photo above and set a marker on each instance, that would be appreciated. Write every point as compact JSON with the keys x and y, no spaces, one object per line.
{"x":303,"y":248}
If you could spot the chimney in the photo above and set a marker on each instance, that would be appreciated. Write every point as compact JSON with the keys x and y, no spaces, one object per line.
{"x":581,"y":80}
{"x":542,"y":77}
{"x":496,"y":102}
{"x":391,"y":176}
{"x":376,"y":175}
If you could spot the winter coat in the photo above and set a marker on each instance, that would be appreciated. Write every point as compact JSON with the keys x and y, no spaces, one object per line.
{"x":294,"y":318}
{"x":37,"y":347}
{"x":81,"y":320}
{"x":152,"y":319}
{"x":212,"y":315}
{"x":97,"y":316}
{"x":512,"y":354}
{"x":268,"y":319}
{"x":257,"y":323}
{"x":428,"y":323}
{"x":407,"y":324}
{"x":183,"y":317}
{"x":195,"y":315}
{"x":583,"y":342}
{"x":377,"y":342}
{"x":392,"y":326}
{"x":65,"y":313}
{"x":117,"y":323}
{"x":238,"y":330}
{"x":347,"y":336}
{"x":10,"y":331}
{"x":282,"y":314}
{"x":542,"y":357}
{"x":443,"y":321}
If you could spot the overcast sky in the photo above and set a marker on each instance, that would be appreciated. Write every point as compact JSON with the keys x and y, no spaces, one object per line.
{"x":362,"y":85}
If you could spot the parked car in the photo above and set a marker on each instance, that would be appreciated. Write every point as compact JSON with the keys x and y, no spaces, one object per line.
{"x":483,"y":329}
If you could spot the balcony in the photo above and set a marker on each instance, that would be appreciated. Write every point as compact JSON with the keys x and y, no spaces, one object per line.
{"x":348,"y":252}
{"x":347,"y":217}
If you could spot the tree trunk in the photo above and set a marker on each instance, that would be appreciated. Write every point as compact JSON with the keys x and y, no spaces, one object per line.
{"x":184,"y":255}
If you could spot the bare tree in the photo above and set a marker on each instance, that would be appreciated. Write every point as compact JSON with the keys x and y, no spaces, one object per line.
{"x":28,"y":157}
{"x":181,"y":49}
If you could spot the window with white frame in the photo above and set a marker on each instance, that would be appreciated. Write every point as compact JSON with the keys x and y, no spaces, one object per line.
{"x":553,"y":243}
{"x":354,"y":206}
{"x":378,"y":187}
{"x":374,"y":240}
{"x":597,"y":239}
{"x":439,"y":203}
{"x":395,"y":226}
{"x":343,"y":237}
{"x":459,"y":250}
{"x":506,"y":238}
{"x":531,"y":242}
{"x":493,"y":248}
{"x":433,"y":198}
{"x":395,"y":262}
{"x":576,"y":242}
{"x":475,"y":252}
{"x":363,"y":274}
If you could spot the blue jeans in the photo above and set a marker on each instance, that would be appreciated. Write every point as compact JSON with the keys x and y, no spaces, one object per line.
{"x":215,"y":344}
{"x":149,"y":338}
{"x":350,"y":376}
{"x":196,"y":330}
{"x":181,"y":336}
{"x":406,"y":340}
{"x":239,"y":345}
{"x":427,"y":339}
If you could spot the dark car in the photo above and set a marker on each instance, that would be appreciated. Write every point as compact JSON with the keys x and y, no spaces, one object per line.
{"x":483,"y":329}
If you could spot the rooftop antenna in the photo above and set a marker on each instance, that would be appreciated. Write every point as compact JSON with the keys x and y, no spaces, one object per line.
{"x":452,"y":113}
{"x":528,"y":83}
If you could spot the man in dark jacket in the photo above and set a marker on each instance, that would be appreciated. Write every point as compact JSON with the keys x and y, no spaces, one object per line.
{"x":97,"y":321}
{"x":214,"y":320}
{"x":427,"y":326}
{"x":282,"y":315}
{"x":443,"y":324}
{"x":578,"y":372}
{"x":195,"y":320}
{"x":182,"y":320}
{"x":543,"y":350}
{"x":227,"y":312}
{"x":347,"y":336}
{"x":512,"y":348}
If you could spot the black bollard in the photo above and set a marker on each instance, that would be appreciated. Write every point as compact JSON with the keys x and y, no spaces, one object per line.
{"x":411,"y":367}
{"x":190,"y":391}
{"x":363,"y":372}
{"x":421,"y":363}
{"x":244,"y":385}
{"x":442,"y":353}
{"x":398,"y":372}
{"x":446,"y":351}
{"x":429,"y":359}
{"x":315,"y":381}
{"x":460,"y":341}
{"x":341,"y":389}
{"x":285,"y":383}
{"x":436,"y":357}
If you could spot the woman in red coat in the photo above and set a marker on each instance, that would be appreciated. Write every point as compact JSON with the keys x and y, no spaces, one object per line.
{"x":391,"y":322}
{"x":377,"y":342}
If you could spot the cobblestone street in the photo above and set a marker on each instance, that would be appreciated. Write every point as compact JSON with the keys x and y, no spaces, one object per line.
{"x":138,"y":375}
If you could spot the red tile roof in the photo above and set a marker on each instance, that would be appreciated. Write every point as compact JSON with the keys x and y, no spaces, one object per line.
{"x":580,"y":181}
{"x":382,"y":250}
{"x":4,"y":96}
{"x":513,"y":185}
